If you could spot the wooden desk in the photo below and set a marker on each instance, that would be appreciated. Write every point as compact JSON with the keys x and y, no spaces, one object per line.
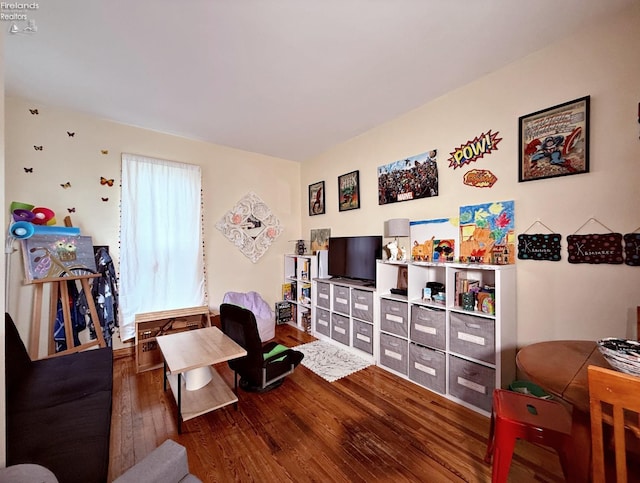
{"x":560,"y":368}
{"x":185,"y":351}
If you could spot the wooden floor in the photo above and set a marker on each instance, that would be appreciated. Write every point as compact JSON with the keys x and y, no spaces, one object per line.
{"x":370,"y":426}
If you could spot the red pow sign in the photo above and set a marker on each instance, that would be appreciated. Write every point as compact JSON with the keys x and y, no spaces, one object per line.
{"x":474,"y":150}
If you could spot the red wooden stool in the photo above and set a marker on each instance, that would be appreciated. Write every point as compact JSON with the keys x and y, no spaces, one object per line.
{"x":519,"y":416}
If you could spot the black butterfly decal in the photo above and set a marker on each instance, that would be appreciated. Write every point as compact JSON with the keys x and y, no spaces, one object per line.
{"x":71,"y":134}
{"x":108,"y":182}
{"x":34,"y":112}
{"x":104,"y":151}
{"x":37,"y":148}
{"x":71,"y":210}
{"x":66,"y":185}
{"x":105,"y":199}
{"x":28,"y":170}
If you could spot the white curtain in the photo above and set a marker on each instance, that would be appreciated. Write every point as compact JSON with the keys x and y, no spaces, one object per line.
{"x":161,"y":254}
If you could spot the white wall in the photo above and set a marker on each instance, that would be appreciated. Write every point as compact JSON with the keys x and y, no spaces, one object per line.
{"x":228,"y":174}
{"x":556,"y":300}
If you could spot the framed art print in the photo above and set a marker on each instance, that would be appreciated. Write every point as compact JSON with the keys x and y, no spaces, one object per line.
{"x":554,"y":141}
{"x":349,"y":191}
{"x":316,"y":198}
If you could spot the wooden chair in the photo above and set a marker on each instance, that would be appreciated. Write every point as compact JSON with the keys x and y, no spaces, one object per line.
{"x":619,"y":393}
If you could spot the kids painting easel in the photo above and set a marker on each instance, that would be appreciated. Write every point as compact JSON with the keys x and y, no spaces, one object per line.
{"x":59,"y":288}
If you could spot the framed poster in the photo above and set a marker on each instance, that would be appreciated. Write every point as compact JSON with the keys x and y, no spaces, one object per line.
{"x":316,"y":198}
{"x":554,"y":141}
{"x":408,"y":179}
{"x":349,"y":191}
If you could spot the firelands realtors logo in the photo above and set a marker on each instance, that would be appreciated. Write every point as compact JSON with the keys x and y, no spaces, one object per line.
{"x":19,"y":16}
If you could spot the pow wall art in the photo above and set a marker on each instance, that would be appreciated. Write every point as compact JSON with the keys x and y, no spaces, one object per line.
{"x":475,"y":149}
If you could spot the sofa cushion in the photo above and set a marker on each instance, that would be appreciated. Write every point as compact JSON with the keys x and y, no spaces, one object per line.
{"x":17,"y":360}
{"x":54,"y":381}
{"x":70,"y":439}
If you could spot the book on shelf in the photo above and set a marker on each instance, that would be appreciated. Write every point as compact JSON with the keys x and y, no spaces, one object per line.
{"x":305,"y":294}
{"x":464,"y":285}
{"x":305,"y":319}
{"x":289,"y":291}
{"x":285,"y":312}
{"x":304,"y":269}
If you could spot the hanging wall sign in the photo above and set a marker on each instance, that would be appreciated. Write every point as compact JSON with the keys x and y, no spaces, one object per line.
{"x":474,"y":149}
{"x":539,"y":246}
{"x":408,"y":179}
{"x":632,"y":249}
{"x":595,"y":248}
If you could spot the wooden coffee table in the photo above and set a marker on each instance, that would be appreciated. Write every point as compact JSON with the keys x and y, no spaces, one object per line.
{"x":194,"y":349}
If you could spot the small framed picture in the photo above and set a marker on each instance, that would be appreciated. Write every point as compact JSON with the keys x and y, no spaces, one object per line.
{"x":316,"y":198}
{"x":349,"y":191}
{"x":554,"y":141}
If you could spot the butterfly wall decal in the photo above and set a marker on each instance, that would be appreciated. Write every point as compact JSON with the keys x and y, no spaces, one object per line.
{"x":37,"y":148}
{"x":105,"y":199}
{"x":34,"y":112}
{"x":28,"y":170}
{"x":66,"y":185}
{"x":71,"y":134}
{"x":105,"y":181}
{"x":71,"y":210}
{"x":104,"y":151}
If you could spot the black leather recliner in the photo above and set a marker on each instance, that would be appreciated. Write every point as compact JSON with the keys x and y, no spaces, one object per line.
{"x":264,"y":367}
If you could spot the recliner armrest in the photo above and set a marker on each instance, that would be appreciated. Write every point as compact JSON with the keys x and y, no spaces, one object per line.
{"x":166,"y":464}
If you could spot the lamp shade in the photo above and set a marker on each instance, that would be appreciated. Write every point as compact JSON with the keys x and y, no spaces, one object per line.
{"x":397,"y":227}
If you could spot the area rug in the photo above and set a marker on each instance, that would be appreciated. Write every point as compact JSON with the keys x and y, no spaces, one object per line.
{"x":329,"y":361}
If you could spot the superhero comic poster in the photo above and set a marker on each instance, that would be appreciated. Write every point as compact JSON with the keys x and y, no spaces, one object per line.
{"x":408,"y":179}
{"x":555,"y":141}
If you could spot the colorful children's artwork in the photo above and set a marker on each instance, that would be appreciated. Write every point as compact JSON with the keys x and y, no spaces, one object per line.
{"x":487,"y":233}
{"x":57,"y":256}
{"x":408,"y":179}
{"x":434,"y":240}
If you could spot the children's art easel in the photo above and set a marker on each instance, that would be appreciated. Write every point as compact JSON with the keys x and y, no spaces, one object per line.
{"x":59,"y":288}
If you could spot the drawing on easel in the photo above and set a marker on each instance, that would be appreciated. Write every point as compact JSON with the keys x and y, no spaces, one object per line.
{"x":57,"y":256}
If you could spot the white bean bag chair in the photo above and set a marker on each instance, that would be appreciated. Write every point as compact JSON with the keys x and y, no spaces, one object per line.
{"x":265,"y":316}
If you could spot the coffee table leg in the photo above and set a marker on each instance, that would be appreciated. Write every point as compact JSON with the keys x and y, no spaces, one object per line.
{"x":164,"y":375}
{"x":179,"y":403}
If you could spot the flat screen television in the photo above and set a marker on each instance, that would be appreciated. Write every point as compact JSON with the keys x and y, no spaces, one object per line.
{"x":354,"y":256}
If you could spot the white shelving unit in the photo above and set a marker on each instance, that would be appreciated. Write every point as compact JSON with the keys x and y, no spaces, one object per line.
{"x":301,"y":270}
{"x":461,"y":354}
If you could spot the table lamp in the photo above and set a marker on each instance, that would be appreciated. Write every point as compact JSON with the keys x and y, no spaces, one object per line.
{"x":397,"y":227}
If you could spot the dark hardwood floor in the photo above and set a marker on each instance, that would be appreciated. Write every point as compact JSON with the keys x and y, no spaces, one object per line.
{"x":369,"y":426}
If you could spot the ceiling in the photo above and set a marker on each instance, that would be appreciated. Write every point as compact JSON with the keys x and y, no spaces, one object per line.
{"x":285,"y":78}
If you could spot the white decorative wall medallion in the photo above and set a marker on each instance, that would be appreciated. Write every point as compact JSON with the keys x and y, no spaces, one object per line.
{"x":250,"y":226}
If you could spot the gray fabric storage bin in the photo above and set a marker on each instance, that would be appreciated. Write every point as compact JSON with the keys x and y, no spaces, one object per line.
{"x":363,"y":336}
{"x":394,"y":317}
{"x":427,"y":367}
{"x":428,"y":326}
{"x":340,"y":328}
{"x":393,"y":353}
{"x":472,"y":336}
{"x":362,"y":305}
{"x":471,"y":382}
{"x":324,"y":295}
{"x":341,"y":299}
{"x":323,"y":322}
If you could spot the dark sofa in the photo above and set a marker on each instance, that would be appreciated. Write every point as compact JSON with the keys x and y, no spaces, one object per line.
{"x":59,"y":410}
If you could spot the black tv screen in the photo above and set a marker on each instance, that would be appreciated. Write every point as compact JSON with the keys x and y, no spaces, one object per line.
{"x":354,"y":256}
